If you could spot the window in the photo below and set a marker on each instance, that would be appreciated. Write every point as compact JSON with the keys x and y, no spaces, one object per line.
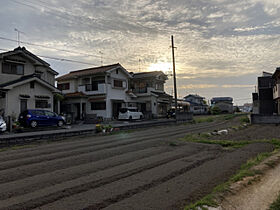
{"x":13,"y":68}
{"x":98,"y":105}
{"x":50,"y":114}
{"x":41,"y":104}
{"x":32,"y":84}
{"x":117,"y":71}
{"x":118,"y":83}
{"x":64,"y":86}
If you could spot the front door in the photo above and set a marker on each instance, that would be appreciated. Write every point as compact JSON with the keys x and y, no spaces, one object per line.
{"x":23,"y":105}
{"x":116,"y":109}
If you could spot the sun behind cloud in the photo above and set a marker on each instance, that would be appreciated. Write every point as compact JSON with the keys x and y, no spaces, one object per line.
{"x":160,"y":66}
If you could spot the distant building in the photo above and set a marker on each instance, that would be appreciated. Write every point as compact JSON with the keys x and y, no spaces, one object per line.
{"x":197,"y":104}
{"x":247,"y":107}
{"x":223,"y":103}
{"x":263,"y":99}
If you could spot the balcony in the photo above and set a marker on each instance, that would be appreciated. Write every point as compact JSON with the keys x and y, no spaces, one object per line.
{"x":140,"y":90}
{"x":92,"y":89}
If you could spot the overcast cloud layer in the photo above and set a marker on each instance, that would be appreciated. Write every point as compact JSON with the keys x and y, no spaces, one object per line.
{"x":222,"y":45}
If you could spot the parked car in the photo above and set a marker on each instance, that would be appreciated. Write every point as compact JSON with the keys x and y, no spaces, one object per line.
{"x":36,"y":117}
{"x":3,"y":125}
{"x":130,"y":113}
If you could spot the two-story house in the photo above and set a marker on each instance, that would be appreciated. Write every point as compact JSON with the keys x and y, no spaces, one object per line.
{"x":151,"y":97}
{"x":101,"y":91}
{"x":263,"y":99}
{"x":225,"y":104}
{"x":276,"y":90}
{"x":26,"y":82}
{"x":197,"y":104}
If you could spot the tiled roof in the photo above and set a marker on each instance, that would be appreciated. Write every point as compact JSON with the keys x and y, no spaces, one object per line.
{"x":89,"y":71}
{"x":147,"y":74}
{"x":75,"y":94}
{"x":23,"y":78}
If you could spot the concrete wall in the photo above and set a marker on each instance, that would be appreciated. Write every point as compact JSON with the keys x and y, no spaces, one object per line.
{"x":184,"y":116}
{"x":264,"y":119}
{"x":13,"y":98}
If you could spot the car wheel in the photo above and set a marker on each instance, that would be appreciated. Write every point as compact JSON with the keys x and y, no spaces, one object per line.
{"x":60,"y":123}
{"x":33,"y":124}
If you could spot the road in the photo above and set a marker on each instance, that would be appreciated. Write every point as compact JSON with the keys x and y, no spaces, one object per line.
{"x":144,"y":169}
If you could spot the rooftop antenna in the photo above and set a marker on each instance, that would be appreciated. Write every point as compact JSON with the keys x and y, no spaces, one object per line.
{"x":101,"y":61}
{"x":139,"y":64}
{"x":18,"y":35}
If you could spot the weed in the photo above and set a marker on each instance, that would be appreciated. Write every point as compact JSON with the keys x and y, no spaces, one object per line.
{"x":276,"y":204}
{"x":244,"y":119}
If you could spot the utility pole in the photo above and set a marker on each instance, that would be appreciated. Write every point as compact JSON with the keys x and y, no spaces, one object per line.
{"x":174,"y":76}
{"x":18,"y":35}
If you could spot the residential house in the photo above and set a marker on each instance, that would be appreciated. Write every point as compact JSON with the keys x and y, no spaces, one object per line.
{"x":151,"y":98}
{"x":99,"y":91}
{"x":26,"y":82}
{"x":197,"y":104}
{"x":223,"y":103}
{"x":263,"y":99}
{"x":276,"y":90}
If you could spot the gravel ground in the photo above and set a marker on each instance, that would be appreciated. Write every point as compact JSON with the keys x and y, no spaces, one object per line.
{"x":145,"y":169}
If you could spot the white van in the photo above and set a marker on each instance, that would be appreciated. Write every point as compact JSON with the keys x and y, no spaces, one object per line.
{"x":130,"y":113}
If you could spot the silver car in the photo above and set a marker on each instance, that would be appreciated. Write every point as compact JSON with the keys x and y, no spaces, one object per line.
{"x":3,"y":125}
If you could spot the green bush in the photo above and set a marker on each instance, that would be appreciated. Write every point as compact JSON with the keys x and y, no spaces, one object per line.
{"x":215,"y":110}
{"x":244,"y":119}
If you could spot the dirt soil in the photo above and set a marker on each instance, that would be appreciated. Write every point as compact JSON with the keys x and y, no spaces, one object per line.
{"x":252,"y":132}
{"x":260,"y":193}
{"x":146,"y":169}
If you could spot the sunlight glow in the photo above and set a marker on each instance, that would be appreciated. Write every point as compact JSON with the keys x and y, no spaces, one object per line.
{"x":161,"y":66}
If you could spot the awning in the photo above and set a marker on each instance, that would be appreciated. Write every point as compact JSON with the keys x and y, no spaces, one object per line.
{"x":96,"y":99}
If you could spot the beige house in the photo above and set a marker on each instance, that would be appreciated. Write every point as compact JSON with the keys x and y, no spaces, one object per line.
{"x":151,"y":98}
{"x":26,"y":82}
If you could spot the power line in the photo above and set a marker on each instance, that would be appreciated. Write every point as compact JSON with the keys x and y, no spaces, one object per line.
{"x":60,"y":59}
{"x":52,"y":48}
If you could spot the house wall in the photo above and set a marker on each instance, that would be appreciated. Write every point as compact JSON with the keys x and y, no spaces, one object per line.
{"x":13,"y":98}
{"x":28,"y":69}
{"x":73,"y":86}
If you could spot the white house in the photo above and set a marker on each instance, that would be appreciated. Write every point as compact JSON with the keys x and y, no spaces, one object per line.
{"x":26,"y":82}
{"x":101,"y":91}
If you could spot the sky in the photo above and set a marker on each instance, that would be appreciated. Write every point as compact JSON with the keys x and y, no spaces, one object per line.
{"x":222,"y":46}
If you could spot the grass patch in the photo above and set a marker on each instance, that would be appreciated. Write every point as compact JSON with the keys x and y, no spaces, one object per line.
{"x":276,"y":204}
{"x":244,"y":119}
{"x":204,"y":119}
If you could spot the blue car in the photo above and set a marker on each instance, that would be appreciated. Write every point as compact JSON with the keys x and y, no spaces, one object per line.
{"x":35,"y":117}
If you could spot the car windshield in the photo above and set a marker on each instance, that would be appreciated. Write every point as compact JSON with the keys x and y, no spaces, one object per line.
{"x":123,"y":110}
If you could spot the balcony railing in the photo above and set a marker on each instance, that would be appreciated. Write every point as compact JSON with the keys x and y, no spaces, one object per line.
{"x":140,"y":90}
{"x":91,"y":89}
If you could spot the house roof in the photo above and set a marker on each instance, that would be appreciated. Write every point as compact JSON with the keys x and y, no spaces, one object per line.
{"x":219,"y":99}
{"x":75,"y":95}
{"x":90,"y":71}
{"x":276,"y":73}
{"x":194,"y":95}
{"x":148,"y":74}
{"x":25,"y":79}
{"x":24,"y":52}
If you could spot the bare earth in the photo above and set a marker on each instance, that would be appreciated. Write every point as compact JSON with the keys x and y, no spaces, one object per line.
{"x":139,"y":170}
{"x":257,"y":196}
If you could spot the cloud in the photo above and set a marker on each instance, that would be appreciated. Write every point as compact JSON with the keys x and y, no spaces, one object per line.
{"x":220,"y":43}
